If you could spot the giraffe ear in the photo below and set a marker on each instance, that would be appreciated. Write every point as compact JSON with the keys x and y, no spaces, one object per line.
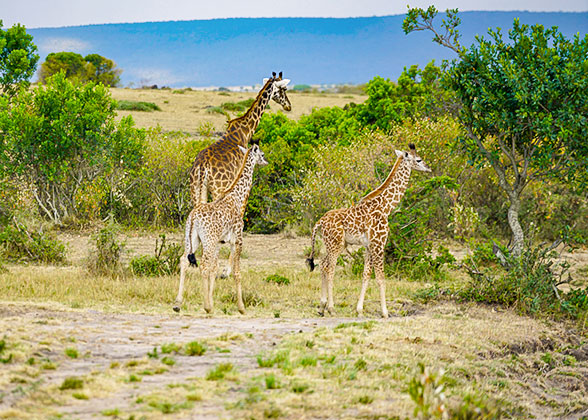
{"x":265,"y":79}
{"x":399,"y":153}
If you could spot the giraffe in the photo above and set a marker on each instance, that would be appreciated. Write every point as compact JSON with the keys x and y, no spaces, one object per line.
{"x":219,"y":221}
{"x":365,"y":224}
{"x":216,"y":166}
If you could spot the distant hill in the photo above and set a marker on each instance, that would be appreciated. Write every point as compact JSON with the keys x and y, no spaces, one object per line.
{"x":233,"y":52}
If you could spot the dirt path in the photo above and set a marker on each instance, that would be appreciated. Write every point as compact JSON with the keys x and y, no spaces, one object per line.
{"x":104,"y":339}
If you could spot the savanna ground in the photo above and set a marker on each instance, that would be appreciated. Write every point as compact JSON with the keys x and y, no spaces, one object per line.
{"x":78,"y":346}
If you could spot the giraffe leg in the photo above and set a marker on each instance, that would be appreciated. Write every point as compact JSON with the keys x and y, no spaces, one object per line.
{"x":236,"y":260}
{"x":211,"y":278}
{"x":180,"y":296}
{"x":377,"y":258}
{"x":367,"y":270}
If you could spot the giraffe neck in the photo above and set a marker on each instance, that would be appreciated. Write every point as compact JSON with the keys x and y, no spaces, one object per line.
{"x":244,"y":126}
{"x":389,"y":194}
{"x":241,"y":186}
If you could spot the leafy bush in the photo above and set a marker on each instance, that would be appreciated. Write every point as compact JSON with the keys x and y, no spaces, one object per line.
{"x":137,"y":106}
{"x":86,"y":146}
{"x":166,"y":260}
{"x":106,"y":260}
{"x":19,"y":243}
{"x":528,"y":283}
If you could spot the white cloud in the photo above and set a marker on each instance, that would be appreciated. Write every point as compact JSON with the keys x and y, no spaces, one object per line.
{"x":153,"y":76}
{"x":64,"y":44}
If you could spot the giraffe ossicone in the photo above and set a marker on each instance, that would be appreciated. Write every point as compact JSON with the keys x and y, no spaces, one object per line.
{"x":364,"y":224}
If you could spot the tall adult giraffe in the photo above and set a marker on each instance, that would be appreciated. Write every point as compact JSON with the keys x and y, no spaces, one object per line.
{"x":215,"y":167}
{"x":366,"y":224}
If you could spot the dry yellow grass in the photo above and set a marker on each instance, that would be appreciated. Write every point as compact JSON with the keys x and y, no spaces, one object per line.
{"x":187,"y":111}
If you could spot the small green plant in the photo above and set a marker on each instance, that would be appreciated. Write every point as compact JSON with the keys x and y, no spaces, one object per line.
{"x":194,"y":348}
{"x":71,"y":352}
{"x":168,"y":361}
{"x":360,"y":364}
{"x":79,"y":396}
{"x":165,"y":261}
{"x":106,"y":258}
{"x":170,"y":348}
{"x":300,"y":387}
{"x":153,"y":354}
{"x":111,"y":412}
{"x":308,"y":360}
{"x":271,"y":382}
{"x":426,"y":389}
{"x":277,"y":279}
{"x":365,"y":399}
{"x":71,"y":382}
{"x":219,"y":372}
{"x":134,"y":378}
{"x":124,"y":105}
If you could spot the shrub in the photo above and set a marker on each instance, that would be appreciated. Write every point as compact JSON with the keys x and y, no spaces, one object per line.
{"x":195,"y":348}
{"x":528,"y":283}
{"x":219,"y":372}
{"x":71,"y":382}
{"x":106,"y":258}
{"x":137,"y":106}
{"x":20,"y":243}
{"x":166,"y":260}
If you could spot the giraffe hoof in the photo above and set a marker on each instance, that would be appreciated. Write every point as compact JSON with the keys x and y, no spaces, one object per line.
{"x":321,"y":313}
{"x":176,"y":308}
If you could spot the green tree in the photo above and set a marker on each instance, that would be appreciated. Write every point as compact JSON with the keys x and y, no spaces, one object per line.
{"x":72,"y":64}
{"x":62,"y":139}
{"x":102,"y":70}
{"x":18,"y":58}
{"x":524,"y":106}
{"x":93,"y":68}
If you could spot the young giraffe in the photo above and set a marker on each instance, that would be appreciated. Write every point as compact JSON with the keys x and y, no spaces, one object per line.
{"x":219,"y":221}
{"x":216,"y":166}
{"x":366,"y":224}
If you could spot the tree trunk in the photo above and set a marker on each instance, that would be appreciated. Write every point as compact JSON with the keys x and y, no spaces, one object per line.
{"x":518,"y":236}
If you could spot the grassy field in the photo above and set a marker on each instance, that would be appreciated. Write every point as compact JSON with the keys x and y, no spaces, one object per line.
{"x":190,"y":111}
{"x":74,"y":345}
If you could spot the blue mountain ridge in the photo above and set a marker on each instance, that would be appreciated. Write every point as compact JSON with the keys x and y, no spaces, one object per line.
{"x":241,"y":51}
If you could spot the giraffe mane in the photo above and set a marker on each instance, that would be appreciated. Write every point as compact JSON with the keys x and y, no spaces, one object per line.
{"x":384,"y":185}
{"x":237,"y":177}
{"x":257,"y":98}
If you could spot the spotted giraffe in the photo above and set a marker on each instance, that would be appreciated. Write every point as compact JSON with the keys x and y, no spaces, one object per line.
{"x":365,"y":224}
{"x":219,"y":221}
{"x":216,"y":166}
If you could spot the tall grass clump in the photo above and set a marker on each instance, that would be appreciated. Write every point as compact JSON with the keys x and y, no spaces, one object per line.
{"x":106,"y":258}
{"x":165,"y":261}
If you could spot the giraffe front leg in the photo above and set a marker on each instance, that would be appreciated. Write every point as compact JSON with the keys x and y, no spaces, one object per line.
{"x":367,"y":270}
{"x":180,"y":296}
{"x":378,"y":265}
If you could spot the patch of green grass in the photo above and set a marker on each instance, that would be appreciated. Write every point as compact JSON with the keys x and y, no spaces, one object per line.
{"x":277,"y":279}
{"x":134,"y":378}
{"x":124,"y":105}
{"x":194,"y":348}
{"x":167,"y":407}
{"x":365,"y":399}
{"x":300,"y":387}
{"x":71,"y":382}
{"x":111,"y":412}
{"x":360,"y":364}
{"x":366,"y":325}
{"x":169,"y":361}
{"x":71,"y":352}
{"x":153,"y":354}
{"x":219,"y":372}
{"x":170,"y":347}
{"x":79,"y":396}
{"x":271,"y":382}
{"x":308,"y":360}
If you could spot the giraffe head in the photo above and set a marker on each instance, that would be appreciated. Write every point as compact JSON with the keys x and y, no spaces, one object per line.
{"x":256,"y":153}
{"x":413,"y":159}
{"x":279,"y":88}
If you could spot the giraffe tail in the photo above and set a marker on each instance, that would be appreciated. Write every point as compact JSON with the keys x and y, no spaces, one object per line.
{"x":310,"y":260}
{"x":188,"y":241}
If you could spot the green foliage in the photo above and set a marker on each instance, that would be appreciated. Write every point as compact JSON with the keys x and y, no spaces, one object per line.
{"x":301,"y":88}
{"x":71,"y":352}
{"x":71,"y":382}
{"x":219,"y":372}
{"x":137,"y":106}
{"x":62,"y":139}
{"x":106,"y":260}
{"x":277,"y":279}
{"x":238,"y":106}
{"x":91,"y":68}
{"x":195,"y":348}
{"x":21,"y":243}
{"x":166,"y":260}
{"x":529,"y":283}
{"x":18,"y":59}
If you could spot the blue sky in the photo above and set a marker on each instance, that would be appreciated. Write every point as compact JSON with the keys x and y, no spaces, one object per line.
{"x":57,"y":13}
